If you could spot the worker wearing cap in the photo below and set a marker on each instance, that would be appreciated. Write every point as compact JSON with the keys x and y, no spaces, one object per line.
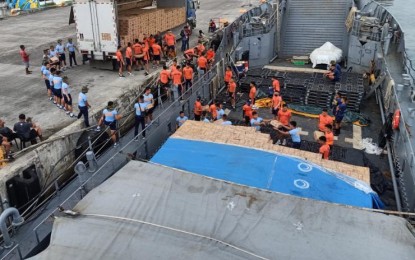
{"x":198,"y":109}
{"x":109,"y":118}
{"x":83,"y":105}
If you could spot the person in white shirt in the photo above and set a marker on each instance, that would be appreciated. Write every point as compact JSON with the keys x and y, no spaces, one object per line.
{"x":70,"y":46}
{"x":225,"y":120}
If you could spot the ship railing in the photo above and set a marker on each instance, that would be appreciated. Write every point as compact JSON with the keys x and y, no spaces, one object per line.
{"x":262,"y":28}
{"x":163,"y":126}
{"x":13,"y":253}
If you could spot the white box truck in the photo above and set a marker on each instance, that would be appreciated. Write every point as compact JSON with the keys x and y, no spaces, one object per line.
{"x":96,"y":24}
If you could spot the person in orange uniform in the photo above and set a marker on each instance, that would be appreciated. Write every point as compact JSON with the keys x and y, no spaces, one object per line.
{"x":129,"y":58}
{"x":247,"y":112}
{"x":323,"y":120}
{"x":213,"y":110}
{"x":324,"y":148}
{"x":120,"y":61}
{"x":232,"y":91}
{"x":200,"y":48}
{"x":190,"y":53}
{"x":176,"y":76}
{"x":202,"y":65}
{"x":173,"y":66}
{"x":328,"y":133}
{"x":170,"y":40}
{"x":156,"y":54}
{"x":198,"y":109}
{"x":151,"y":40}
{"x":284,"y":115}
{"x":138,"y":55}
{"x":276,"y":104}
{"x":188,"y":77}
{"x":276,"y":85}
{"x":210,"y":56}
{"x":164,"y":80}
{"x":146,"y":59}
{"x":228,"y":75}
{"x":252,"y":92}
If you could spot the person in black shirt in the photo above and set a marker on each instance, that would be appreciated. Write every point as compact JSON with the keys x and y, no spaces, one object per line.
{"x":24,"y":130}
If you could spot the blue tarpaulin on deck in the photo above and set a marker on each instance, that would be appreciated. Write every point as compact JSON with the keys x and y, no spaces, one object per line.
{"x":265,"y":170}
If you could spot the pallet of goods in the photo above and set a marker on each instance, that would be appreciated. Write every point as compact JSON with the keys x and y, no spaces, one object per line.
{"x":248,"y":137}
{"x":135,"y":23}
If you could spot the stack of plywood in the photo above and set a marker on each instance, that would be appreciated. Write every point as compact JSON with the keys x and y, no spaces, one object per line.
{"x":134,"y":23}
{"x":248,"y":137}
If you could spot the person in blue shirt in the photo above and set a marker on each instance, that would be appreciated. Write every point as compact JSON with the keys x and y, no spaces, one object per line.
{"x":256,"y":121}
{"x":149,"y":100}
{"x":53,"y":57}
{"x":45,"y":77}
{"x":66,"y":93}
{"x":71,"y":50}
{"x":220,"y":112}
{"x":60,"y":49}
{"x":225,"y":120}
{"x":339,"y":114}
{"x":109,"y":118}
{"x":181,"y":119}
{"x":57,"y":89}
{"x":333,"y":74}
{"x":294,"y":132}
{"x":337,"y":66}
{"x":51,"y":75}
{"x":83,"y":105}
{"x":140,"y":114}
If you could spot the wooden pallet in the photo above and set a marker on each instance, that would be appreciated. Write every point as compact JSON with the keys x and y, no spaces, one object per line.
{"x":248,"y":137}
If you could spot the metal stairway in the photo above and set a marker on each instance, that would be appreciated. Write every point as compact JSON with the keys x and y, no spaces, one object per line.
{"x":308,"y":24}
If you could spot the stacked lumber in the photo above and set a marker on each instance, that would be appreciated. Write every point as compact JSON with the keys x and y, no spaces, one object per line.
{"x":135,"y":23}
{"x":248,"y":137}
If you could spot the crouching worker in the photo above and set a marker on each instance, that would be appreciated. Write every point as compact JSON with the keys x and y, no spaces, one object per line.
{"x":109,"y":118}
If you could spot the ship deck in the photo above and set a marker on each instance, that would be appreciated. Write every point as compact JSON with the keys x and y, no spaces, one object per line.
{"x":347,"y":147}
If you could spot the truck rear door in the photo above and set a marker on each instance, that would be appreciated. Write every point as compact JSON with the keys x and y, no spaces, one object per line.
{"x":96,"y":26}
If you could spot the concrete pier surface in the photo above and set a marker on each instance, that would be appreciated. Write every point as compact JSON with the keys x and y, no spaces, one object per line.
{"x":20,"y":93}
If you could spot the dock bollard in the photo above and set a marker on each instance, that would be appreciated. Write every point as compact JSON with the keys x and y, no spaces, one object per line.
{"x":90,"y":156}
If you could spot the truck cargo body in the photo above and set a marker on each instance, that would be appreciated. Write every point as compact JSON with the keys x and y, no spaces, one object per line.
{"x":102,"y":25}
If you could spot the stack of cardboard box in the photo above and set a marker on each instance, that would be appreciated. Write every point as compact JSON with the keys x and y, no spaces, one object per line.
{"x":135,"y":23}
{"x":248,"y":137}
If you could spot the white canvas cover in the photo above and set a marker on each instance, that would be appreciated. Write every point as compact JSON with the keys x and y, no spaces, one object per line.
{"x":147,"y":211}
{"x":326,"y":53}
